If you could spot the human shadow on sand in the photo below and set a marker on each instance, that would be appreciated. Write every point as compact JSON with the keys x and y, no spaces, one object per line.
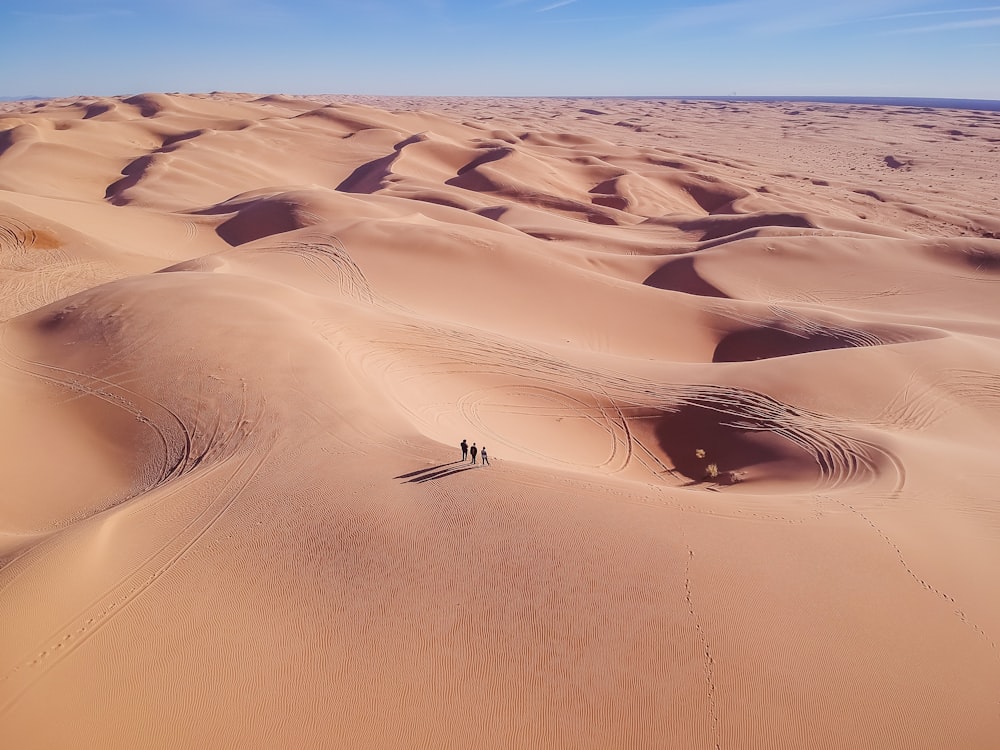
{"x":437,"y":472}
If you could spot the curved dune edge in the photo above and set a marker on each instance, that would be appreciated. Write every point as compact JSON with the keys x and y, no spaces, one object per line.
{"x":735,"y":366}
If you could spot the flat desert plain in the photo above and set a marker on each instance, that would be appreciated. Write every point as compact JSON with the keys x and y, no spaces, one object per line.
{"x":736,"y":367}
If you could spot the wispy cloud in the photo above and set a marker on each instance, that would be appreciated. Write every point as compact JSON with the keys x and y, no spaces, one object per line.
{"x":70,"y":16}
{"x":553,"y":6}
{"x":777,"y":17}
{"x":562,"y":20}
{"x":543,"y":9}
{"x":976,"y":23}
{"x":943,"y":12}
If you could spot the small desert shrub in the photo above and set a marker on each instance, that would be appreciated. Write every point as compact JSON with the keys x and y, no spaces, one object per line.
{"x":712,"y":469}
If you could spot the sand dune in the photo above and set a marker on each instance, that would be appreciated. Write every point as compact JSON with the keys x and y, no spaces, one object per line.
{"x":736,"y":366}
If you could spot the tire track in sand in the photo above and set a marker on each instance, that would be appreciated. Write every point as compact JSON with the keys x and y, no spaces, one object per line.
{"x":613,"y":400}
{"x":35,"y":271}
{"x":327,"y":255}
{"x":920,"y":405}
{"x":256,"y":449}
{"x":534,"y":375}
{"x":176,"y":439}
{"x":211,"y":443}
{"x":25,"y":290}
{"x":914,"y":407}
{"x":979,"y":387}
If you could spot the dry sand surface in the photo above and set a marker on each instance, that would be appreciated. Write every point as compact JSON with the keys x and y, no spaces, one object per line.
{"x":243,"y":336}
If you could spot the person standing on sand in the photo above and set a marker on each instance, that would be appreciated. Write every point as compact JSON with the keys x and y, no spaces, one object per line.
{"x":465,"y":449}
{"x":473,"y":450}
{"x":486,"y":458}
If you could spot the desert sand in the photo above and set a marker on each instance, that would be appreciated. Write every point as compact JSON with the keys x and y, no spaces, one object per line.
{"x":736,"y":365}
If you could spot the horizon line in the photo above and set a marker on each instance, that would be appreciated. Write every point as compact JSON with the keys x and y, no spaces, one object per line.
{"x":832,"y":98}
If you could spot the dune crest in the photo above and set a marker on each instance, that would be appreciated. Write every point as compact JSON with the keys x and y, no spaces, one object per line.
{"x":735,"y":366}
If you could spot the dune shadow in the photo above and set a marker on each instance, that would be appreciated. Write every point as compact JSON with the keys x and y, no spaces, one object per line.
{"x":436,"y":472}
{"x":369,"y":177}
{"x":680,"y":276}
{"x":493,"y":212}
{"x":372,"y":176}
{"x":768,"y":343}
{"x":444,"y":473}
{"x":260,"y":218}
{"x":783,"y":340}
{"x":133,"y":173}
{"x":728,"y":446}
{"x":428,"y":469}
{"x":717,"y":226}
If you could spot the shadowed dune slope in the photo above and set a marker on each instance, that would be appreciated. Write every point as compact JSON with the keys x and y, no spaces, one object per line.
{"x":736,"y":367}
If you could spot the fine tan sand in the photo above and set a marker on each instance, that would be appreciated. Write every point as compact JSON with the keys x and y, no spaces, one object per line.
{"x":737,"y":368}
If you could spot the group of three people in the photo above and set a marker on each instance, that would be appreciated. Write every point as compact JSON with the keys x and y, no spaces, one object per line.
{"x":467,"y":451}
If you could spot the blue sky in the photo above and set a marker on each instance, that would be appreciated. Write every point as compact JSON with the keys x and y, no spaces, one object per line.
{"x":502,"y":47}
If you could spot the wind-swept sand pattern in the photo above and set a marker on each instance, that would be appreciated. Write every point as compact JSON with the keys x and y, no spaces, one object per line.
{"x":736,"y":366}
